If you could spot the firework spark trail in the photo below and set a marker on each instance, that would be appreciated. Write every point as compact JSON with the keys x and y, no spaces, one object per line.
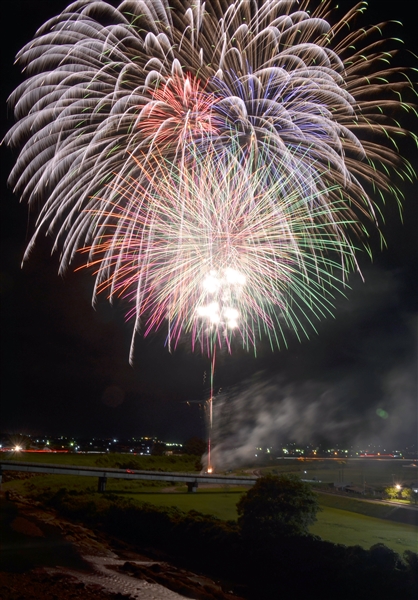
{"x":212,"y":159}
{"x":275,"y":82}
{"x":213,"y":242}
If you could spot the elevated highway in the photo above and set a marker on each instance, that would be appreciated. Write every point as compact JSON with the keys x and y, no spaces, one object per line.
{"x":192,"y":480}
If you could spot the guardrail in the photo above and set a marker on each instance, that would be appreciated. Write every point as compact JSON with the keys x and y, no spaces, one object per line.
{"x":192,"y":480}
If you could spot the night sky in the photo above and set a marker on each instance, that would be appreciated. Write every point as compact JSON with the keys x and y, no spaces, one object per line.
{"x":65,"y":366}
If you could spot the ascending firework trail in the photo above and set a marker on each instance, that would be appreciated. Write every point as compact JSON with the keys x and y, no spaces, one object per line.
{"x":213,"y":160}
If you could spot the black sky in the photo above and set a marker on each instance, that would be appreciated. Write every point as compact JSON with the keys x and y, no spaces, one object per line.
{"x":65,"y":366}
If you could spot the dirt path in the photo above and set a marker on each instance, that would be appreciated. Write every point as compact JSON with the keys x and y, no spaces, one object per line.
{"x":45,"y":556}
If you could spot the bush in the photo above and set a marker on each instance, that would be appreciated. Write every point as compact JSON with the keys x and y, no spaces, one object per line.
{"x":277,"y":506}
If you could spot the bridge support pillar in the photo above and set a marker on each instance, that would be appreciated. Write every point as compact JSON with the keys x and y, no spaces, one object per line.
{"x":101,"y":487}
{"x":191,"y":487}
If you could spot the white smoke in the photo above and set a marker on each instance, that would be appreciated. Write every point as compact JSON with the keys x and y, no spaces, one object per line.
{"x":266,"y":410}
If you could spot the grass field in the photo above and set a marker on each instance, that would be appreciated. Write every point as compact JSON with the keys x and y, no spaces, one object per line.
{"x":132,"y":461}
{"x":343,"y":527}
{"x":52,"y":458}
{"x":369,"y":508}
{"x":214,"y":501}
{"x":362,"y":472}
{"x":334,"y":524}
{"x":342,"y":520}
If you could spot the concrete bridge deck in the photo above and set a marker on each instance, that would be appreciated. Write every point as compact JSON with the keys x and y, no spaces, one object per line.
{"x":192,"y":480}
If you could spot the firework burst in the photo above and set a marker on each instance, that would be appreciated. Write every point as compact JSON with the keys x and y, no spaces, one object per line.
{"x":219,"y":250}
{"x":212,"y":159}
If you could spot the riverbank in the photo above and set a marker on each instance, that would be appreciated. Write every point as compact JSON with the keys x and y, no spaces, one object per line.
{"x":46,"y":556}
{"x":172,"y":540}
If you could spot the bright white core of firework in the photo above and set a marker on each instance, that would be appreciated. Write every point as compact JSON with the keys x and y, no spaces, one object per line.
{"x":220,"y":289}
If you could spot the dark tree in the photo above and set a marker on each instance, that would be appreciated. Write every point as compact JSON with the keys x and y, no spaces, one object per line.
{"x":276,"y":506}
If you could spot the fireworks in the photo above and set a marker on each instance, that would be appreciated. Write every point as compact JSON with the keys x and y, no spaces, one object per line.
{"x":214,"y":249}
{"x":212,"y":160}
